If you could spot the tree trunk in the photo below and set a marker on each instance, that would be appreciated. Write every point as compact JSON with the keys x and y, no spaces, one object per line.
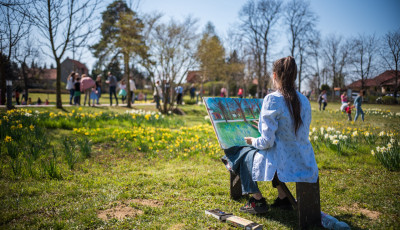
{"x":396,"y":85}
{"x":58,"y":85}
{"x":300,"y":71}
{"x":3,"y":81}
{"x":128,"y":85}
{"x":25,"y":75}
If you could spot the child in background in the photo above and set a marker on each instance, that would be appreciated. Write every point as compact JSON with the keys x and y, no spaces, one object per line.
{"x":47,"y":102}
{"x":77,"y":92}
{"x":94,"y":95}
{"x":348,"y":110}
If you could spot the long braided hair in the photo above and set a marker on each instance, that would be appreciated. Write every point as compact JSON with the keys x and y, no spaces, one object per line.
{"x":286,"y":72}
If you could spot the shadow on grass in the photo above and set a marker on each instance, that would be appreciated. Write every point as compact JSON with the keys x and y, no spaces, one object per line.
{"x":284,"y":217}
{"x":346,"y":218}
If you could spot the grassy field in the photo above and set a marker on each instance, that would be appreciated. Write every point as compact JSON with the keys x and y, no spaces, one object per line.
{"x":104,"y":99}
{"x":146,"y":171}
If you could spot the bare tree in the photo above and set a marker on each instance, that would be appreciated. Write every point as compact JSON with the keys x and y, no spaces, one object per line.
{"x":337,"y":57}
{"x":314,"y":51}
{"x":174,"y":55}
{"x":300,"y":20}
{"x":14,"y":27}
{"x":59,"y":23}
{"x":24,"y":54}
{"x":363,"y":55}
{"x":391,"y":55}
{"x":301,"y":23}
{"x":258,"y":18}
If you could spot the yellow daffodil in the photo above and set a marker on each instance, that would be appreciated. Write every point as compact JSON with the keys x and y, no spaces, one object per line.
{"x":8,"y":139}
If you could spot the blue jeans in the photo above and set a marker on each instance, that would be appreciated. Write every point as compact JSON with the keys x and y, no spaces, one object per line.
{"x":133,"y":97}
{"x":98,"y":94}
{"x":157,"y":99}
{"x":358,"y":111}
{"x":113,"y":91}
{"x":71,"y":95}
{"x":239,"y":159}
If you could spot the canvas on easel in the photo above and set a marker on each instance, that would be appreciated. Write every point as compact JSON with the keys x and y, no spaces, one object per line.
{"x":233,"y":119}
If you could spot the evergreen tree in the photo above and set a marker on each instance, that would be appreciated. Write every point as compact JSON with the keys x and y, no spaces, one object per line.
{"x":121,"y":36}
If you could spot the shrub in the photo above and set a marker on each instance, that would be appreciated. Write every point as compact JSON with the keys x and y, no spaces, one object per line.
{"x":388,"y":100}
{"x":371,"y":98}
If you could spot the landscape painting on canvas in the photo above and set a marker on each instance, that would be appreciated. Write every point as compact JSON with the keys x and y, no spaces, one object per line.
{"x":233,"y":119}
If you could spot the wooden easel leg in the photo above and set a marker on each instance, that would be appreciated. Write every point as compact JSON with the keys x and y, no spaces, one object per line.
{"x":235,"y":186}
{"x":308,"y":204}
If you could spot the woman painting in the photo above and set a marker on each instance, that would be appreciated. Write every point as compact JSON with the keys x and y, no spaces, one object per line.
{"x":284,"y":152}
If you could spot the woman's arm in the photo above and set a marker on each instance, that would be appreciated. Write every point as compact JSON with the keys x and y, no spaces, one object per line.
{"x":268,"y":124}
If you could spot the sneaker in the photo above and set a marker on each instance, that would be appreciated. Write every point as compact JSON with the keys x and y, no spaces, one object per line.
{"x":254,"y":206}
{"x":282,"y":203}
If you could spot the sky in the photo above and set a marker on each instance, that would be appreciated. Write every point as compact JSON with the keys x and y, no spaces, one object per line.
{"x":342,"y":17}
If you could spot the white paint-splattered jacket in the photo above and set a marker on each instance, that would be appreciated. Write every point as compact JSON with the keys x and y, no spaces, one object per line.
{"x":280,"y":149}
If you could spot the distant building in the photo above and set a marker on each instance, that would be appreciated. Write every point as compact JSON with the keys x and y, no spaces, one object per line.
{"x":46,"y":78}
{"x":70,"y":65}
{"x":383,"y":83}
{"x":41,"y":78}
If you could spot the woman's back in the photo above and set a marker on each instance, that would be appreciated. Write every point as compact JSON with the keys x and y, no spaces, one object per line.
{"x":283,"y":150}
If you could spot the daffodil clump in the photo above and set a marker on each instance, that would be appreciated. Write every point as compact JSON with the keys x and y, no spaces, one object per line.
{"x":388,"y":154}
{"x":353,"y":137}
{"x":22,"y":140}
{"x":77,"y":118}
{"x":160,"y":142}
{"x":373,"y":111}
{"x":382,"y":112}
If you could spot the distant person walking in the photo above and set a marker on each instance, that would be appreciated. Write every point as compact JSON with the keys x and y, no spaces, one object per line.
{"x":94,"y":95}
{"x":70,"y":86}
{"x":322,"y":100}
{"x":132,"y":87}
{"x":357,"y":105}
{"x":240,"y":93}
{"x":77,"y":93}
{"x":348,"y":110}
{"x":122,"y":90}
{"x":343,"y":98}
{"x":98,"y":88}
{"x":87,"y":83}
{"x":179,"y":92}
{"x":112,"y":82}
{"x":192,"y":91}
{"x":17,"y":97}
{"x":157,"y":94}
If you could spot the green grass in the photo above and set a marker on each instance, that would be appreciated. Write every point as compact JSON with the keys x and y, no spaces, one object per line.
{"x":104,"y":99}
{"x":355,"y":188}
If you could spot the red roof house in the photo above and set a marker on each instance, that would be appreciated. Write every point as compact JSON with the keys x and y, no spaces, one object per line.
{"x":385,"y":82}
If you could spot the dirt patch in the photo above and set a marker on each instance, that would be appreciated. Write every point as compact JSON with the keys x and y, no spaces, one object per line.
{"x":123,"y":209}
{"x":120,"y":211}
{"x":177,"y":227}
{"x":150,"y":203}
{"x":373,"y":215}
